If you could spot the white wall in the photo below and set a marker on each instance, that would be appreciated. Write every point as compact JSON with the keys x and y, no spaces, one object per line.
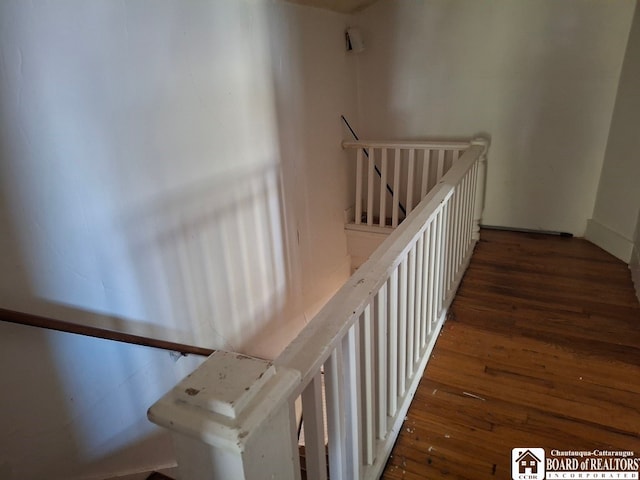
{"x":314,"y":82}
{"x":618,"y":201}
{"x":170,"y":169}
{"x":74,"y":407}
{"x":134,"y":146}
{"x":539,"y":76}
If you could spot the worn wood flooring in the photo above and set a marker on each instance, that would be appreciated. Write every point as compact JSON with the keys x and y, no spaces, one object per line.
{"x":541,"y":349}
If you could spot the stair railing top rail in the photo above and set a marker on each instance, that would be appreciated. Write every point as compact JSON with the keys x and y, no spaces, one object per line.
{"x":415,"y":144}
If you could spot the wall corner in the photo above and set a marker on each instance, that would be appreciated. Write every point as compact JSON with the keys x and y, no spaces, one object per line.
{"x":634,"y":266}
{"x":609,"y":240}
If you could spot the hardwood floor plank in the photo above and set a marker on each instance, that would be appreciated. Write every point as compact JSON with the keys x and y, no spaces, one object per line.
{"x":541,"y":349}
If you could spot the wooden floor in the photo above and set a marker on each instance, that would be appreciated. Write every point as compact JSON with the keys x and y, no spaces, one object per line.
{"x":541,"y":349}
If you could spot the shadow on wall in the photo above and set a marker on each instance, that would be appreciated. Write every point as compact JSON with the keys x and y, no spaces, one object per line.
{"x":213,"y":258}
{"x":314,"y":83}
{"x":73,"y":407}
{"x":102,"y":162}
{"x":209,"y":260}
{"x":144,"y":190}
{"x":212,"y":253}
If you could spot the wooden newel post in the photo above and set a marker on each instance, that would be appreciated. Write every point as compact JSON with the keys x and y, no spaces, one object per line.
{"x":233,"y":418}
{"x":480,"y":185}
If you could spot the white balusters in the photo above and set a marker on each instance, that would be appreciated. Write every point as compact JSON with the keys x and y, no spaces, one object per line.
{"x":480,"y":181}
{"x":470,"y":201}
{"x":396,"y":188}
{"x":372,"y":339}
{"x":425,"y":286}
{"x":358,"y":204}
{"x":431,"y":264}
{"x":370,"y":180}
{"x":381,"y":362}
{"x":393,"y":342}
{"x":410,"y":174}
{"x":472,"y":210}
{"x":413,"y":165}
{"x":402,"y":327}
{"x":353,"y":421}
{"x":383,"y":189}
{"x":417,"y":333}
{"x":334,"y":386}
{"x":411,"y":309}
{"x":440,"y":171}
{"x":454,"y":213}
{"x":426,"y":165}
{"x":313,"y":416}
{"x":440,"y":256}
{"x":367,"y":385}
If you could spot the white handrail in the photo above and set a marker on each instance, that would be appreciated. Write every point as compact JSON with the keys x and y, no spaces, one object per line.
{"x":432,"y":145}
{"x":234,"y":417}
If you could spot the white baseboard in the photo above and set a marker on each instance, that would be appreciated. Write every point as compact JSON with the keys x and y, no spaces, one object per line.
{"x":634,"y":266}
{"x":609,"y":240}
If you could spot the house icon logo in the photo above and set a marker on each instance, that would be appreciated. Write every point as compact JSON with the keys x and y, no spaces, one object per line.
{"x":527,"y":463}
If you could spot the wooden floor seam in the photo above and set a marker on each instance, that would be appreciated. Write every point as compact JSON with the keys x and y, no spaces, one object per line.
{"x":541,"y":349}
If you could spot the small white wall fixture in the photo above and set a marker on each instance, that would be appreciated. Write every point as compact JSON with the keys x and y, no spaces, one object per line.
{"x":355,"y":43}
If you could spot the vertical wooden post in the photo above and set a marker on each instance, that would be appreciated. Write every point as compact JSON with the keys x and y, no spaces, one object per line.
{"x":370,"y":179}
{"x":352,"y":430}
{"x":402,"y":326}
{"x":312,"y":408}
{"x":480,"y":186}
{"x":383,"y":189}
{"x":334,"y":385}
{"x":410,"y":179}
{"x":393,"y":342}
{"x":358,"y":205}
{"x":368,"y":414}
{"x":382,"y":365}
{"x":233,"y":418}
{"x":396,"y":188}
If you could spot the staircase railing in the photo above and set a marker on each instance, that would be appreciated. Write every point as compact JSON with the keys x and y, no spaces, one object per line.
{"x":234,"y":417}
{"x":49,"y":323}
{"x":395,"y":176}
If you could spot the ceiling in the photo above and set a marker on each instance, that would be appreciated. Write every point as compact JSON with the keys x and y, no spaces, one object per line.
{"x":342,"y":6}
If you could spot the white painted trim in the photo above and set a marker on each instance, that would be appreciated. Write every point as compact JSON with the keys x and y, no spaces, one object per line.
{"x":634,"y":266}
{"x":617,"y":245}
{"x":370,"y":229}
{"x":169,"y":472}
{"x":462,"y":145}
{"x":361,"y":244}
